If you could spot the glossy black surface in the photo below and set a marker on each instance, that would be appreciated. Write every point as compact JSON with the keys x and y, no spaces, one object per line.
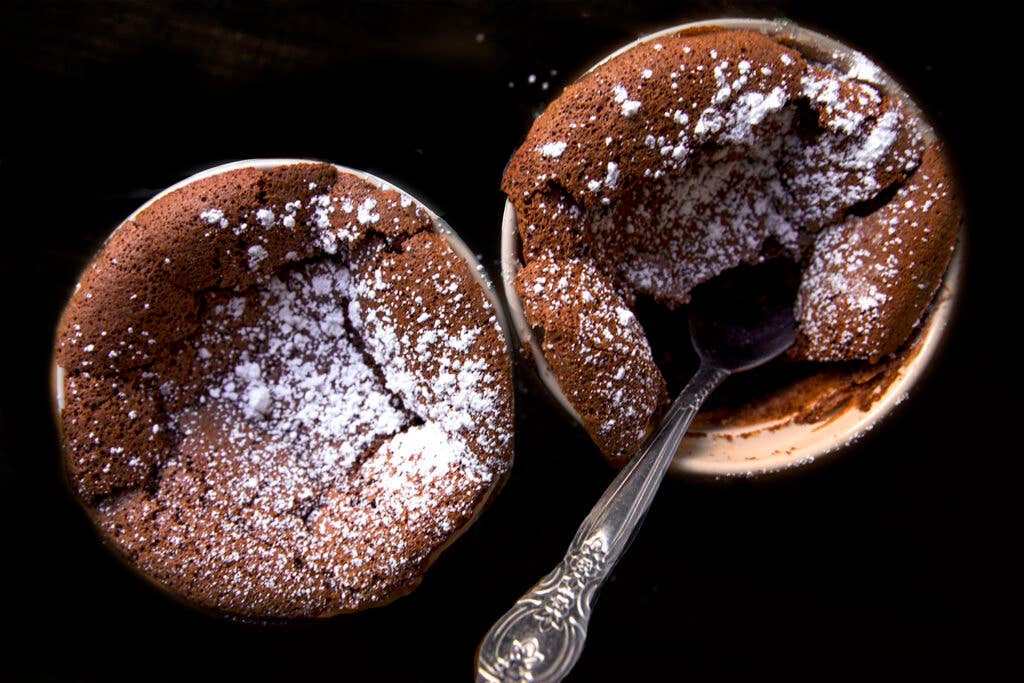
{"x":871,"y":562}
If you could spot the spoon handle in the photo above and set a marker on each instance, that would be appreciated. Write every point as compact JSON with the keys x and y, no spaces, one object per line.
{"x":542,"y":636}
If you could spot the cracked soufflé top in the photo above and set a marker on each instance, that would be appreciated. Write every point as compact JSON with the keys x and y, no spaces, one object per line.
{"x":691,"y":154}
{"x":284,"y":392}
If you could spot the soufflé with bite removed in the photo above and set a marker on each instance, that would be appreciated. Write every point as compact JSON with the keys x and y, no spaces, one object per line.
{"x":283,"y":392}
{"x":691,"y":154}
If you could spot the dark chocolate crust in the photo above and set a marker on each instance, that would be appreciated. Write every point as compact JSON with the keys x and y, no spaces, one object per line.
{"x":692,"y":154}
{"x":284,"y":392}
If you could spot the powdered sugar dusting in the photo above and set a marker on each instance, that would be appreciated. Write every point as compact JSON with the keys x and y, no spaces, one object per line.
{"x":293,"y":382}
{"x":760,"y":176}
{"x":214,"y":216}
{"x":629,"y":107}
{"x":857,"y":272}
{"x":739,"y":150}
{"x":553,"y":149}
{"x":364,"y":214}
{"x":283,"y":373}
{"x":298,"y":477}
{"x":607,"y":342}
{"x":430,"y":454}
{"x":434,"y":367}
{"x":256,"y":254}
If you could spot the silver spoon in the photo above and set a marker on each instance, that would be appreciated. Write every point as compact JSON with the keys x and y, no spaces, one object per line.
{"x":736,"y":323}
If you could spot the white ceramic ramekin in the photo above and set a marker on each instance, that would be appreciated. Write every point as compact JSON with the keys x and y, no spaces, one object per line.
{"x":768,"y":447}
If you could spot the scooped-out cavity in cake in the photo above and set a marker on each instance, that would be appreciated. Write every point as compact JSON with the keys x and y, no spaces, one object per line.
{"x":284,"y":392}
{"x":691,"y":154}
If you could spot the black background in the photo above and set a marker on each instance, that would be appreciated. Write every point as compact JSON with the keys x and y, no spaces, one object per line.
{"x":872,"y":562}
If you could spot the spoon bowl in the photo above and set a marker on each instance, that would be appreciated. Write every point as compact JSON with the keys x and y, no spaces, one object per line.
{"x":744,"y":317}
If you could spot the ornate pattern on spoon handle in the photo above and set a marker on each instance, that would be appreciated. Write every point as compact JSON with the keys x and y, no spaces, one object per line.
{"x":542,"y":636}
{"x":545,"y":630}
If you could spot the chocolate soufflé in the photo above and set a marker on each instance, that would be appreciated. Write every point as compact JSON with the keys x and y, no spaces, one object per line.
{"x":283,"y":392}
{"x":694,"y":153}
